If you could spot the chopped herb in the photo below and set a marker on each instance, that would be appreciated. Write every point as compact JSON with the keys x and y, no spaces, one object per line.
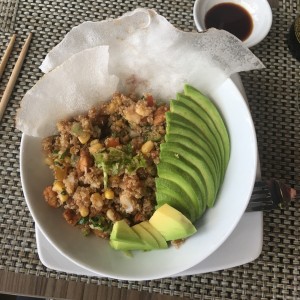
{"x":100,"y":223}
{"x":116,"y":161}
{"x":83,"y":220}
{"x":154,"y":136}
{"x":58,"y":163}
{"x":64,"y":154}
{"x":128,"y":149}
{"x":76,"y":129}
{"x":137,"y":162}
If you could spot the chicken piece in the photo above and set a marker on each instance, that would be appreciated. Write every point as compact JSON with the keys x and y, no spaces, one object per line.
{"x":160,"y":115}
{"x":51,"y":197}
{"x":71,"y":216}
{"x":142,"y":109}
{"x":71,"y":183}
{"x":85,"y":161}
{"x":131,"y":116}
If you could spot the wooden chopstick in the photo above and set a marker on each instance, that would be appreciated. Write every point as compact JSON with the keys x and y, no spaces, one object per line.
{"x":7,"y":54}
{"x":13,"y":77}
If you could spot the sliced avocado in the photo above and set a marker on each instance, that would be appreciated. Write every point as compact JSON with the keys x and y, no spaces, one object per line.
{"x":219,"y":131}
{"x":197,"y":149}
{"x":170,"y":192}
{"x":182,"y":109}
{"x":177,"y":125}
{"x":193,"y":158}
{"x":155,"y":233}
{"x":202,"y":114}
{"x":162,"y":198}
{"x":186,"y":124}
{"x":175,"y":174}
{"x":127,"y":246}
{"x":171,"y":223}
{"x":123,"y":232}
{"x":196,"y":179}
{"x":149,"y":241}
{"x":213,"y":112}
{"x":124,"y":238}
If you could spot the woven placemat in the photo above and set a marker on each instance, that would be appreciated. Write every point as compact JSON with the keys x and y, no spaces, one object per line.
{"x":272,"y":99}
{"x":8,"y":10}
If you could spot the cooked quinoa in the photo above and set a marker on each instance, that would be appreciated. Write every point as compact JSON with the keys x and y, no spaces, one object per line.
{"x":104,"y":163}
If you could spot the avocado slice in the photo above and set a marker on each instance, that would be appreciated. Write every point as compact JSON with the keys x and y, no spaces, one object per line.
{"x":183,"y":179}
{"x":155,"y":233}
{"x":180,"y":108}
{"x":149,"y":241}
{"x":171,"y":223}
{"x":187,"y":124}
{"x":122,"y":231}
{"x":127,"y":246}
{"x":213,"y":112}
{"x":201,"y":113}
{"x":170,"y":192}
{"x":189,"y":156}
{"x":124,"y":238}
{"x":197,"y":180}
{"x":177,"y":125}
{"x":176,"y":138}
{"x":213,"y":119}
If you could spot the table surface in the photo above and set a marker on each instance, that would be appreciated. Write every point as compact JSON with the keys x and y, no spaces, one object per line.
{"x":273,"y":100}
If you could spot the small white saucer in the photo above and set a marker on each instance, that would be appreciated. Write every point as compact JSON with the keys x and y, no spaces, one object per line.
{"x":259,"y":10}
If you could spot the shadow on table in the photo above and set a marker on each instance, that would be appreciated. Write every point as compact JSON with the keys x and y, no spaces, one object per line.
{"x":13,"y":297}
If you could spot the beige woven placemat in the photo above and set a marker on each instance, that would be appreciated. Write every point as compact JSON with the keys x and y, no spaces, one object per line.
{"x":272,"y":98}
{"x":8,"y":10}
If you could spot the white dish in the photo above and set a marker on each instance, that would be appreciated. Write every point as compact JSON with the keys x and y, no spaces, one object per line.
{"x":214,"y":228}
{"x":259,"y":10}
{"x":247,"y":237}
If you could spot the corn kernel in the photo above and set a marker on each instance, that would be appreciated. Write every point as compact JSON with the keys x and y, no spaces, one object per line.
{"x":109,"y":194}
{"x":95,"y":141}
{"x":60,"y":173}
{"x":84,"y":137}
{"x":58,"y":186}
{"x":63,"y":197}
{"x":96,"y":147}
{"x":147,"y":147}
{"x":84,"y":211}
{"x":111,"y":215}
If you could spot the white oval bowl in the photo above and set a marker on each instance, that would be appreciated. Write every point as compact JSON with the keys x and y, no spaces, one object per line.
{"x":95,"y":254}
{"x":259,"y":10}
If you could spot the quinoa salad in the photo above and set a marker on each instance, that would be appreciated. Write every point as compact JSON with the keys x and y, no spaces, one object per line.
{"x":104,"y":163}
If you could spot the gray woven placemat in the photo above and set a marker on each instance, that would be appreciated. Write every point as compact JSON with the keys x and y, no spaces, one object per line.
{"x":272,"y":98}
{"x":8,"y":10}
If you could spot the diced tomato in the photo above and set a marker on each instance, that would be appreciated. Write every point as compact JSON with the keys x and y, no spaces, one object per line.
{"x":150,"y":100}
{"x":112,"y":142}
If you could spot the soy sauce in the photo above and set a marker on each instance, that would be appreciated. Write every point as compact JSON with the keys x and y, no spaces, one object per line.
{"x":230,"y":17}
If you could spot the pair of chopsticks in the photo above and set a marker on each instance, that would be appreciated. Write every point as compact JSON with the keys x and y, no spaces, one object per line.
{"x":16,"y":70}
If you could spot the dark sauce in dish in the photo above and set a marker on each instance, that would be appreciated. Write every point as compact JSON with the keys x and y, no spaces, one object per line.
{"x":230,"y":17}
